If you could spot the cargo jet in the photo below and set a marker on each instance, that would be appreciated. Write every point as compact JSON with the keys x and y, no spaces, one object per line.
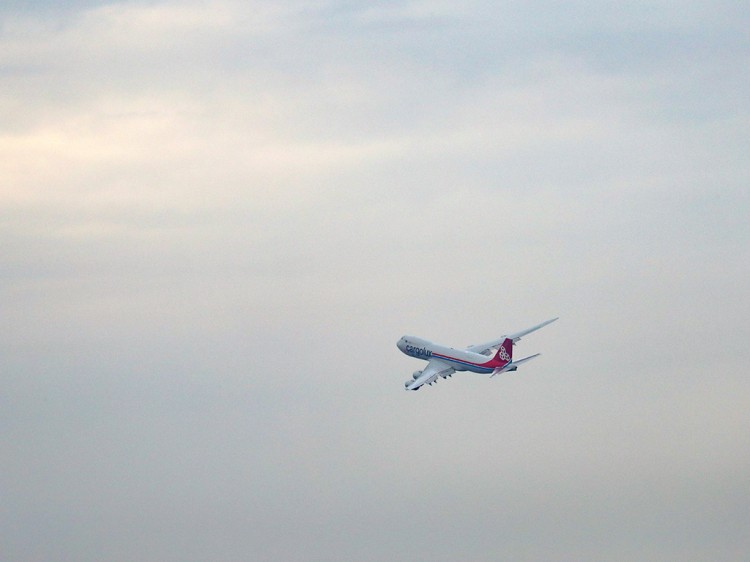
{"x":491,"y":358}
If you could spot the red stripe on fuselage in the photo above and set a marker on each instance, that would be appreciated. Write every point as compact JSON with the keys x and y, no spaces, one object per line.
{"x":489,"y":366}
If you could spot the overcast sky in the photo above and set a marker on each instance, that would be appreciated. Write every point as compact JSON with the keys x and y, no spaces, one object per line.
{"x":218,"y":217}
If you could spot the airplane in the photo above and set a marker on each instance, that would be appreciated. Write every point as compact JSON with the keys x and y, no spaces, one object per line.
{"x":491,"y":358}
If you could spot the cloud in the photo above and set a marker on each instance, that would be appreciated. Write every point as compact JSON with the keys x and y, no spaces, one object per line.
{"x":218,"y":218}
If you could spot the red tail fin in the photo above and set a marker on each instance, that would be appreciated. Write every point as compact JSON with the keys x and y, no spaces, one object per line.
{"x":505,"y":353}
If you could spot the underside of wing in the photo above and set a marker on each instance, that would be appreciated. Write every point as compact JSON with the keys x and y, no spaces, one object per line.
{"x":518,"y":335}
{"x":487,"y":348}
{"x":434,"y":370}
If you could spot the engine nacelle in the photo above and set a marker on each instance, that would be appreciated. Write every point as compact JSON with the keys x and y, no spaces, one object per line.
{"x":416,"y":374}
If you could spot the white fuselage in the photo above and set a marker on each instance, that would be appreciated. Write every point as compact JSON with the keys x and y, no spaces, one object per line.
{"x":489,"y":358}
{"x":459,"y":359}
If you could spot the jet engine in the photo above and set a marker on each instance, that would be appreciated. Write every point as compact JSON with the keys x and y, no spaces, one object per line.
{"x":416,"y":374}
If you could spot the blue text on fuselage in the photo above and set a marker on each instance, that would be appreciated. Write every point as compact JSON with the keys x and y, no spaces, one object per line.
{"x":418,"y":351}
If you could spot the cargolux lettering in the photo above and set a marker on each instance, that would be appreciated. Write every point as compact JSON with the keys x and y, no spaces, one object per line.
{"x":418,"y":351}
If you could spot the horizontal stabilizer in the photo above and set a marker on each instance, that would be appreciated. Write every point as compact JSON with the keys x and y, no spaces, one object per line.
{"x":526,"y":359}
{"x":513,"y":365}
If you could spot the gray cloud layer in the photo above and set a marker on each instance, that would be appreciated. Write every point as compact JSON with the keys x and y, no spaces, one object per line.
{"x":218,"y":218}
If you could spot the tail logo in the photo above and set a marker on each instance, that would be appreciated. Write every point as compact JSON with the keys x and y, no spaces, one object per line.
{"x":502,"y":354}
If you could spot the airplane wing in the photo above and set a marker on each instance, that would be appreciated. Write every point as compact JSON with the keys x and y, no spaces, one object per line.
{"x":484,"y":348}
{"x":435,"y":368}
